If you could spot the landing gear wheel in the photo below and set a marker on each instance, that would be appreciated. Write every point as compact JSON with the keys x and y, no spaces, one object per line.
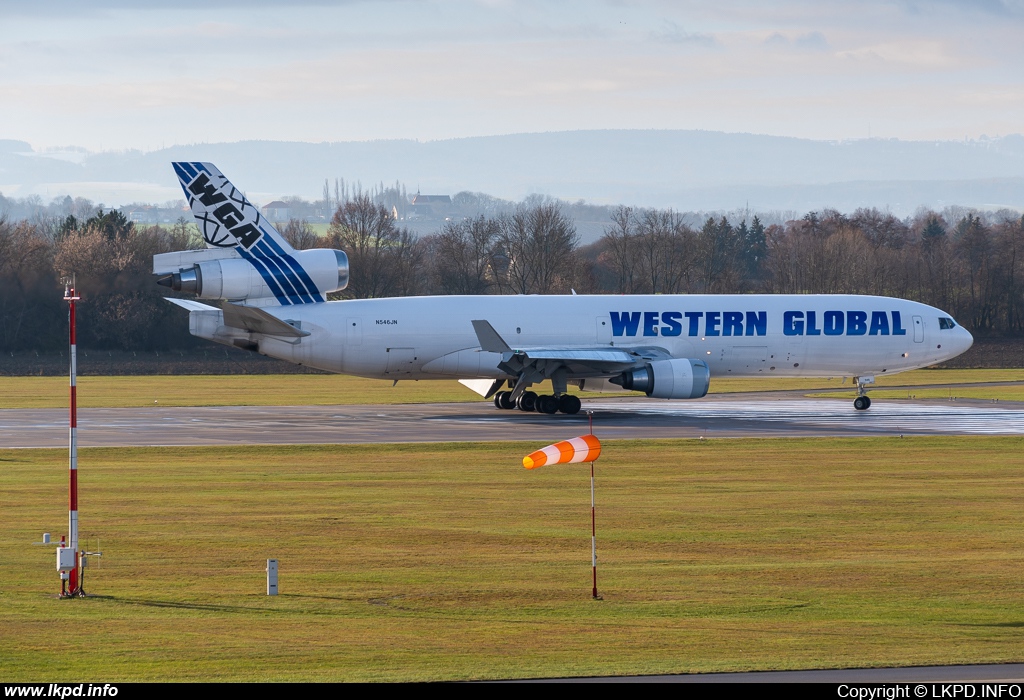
{"x":503,"y":399}
{"x":567,"y":403}
{"x":862,"y":403}
{"x":527,"y":402}
{"x":547,"y":404}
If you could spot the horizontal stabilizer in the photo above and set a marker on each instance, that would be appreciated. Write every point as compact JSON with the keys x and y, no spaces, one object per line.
{"x":191,"y":305}
{"x":256,"y":320}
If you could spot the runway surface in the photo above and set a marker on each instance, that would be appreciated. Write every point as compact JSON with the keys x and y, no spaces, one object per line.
{"x":728,"y":415}
{"x":940,"y":675}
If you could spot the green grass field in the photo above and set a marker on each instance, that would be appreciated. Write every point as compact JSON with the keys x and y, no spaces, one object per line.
{"x":310,"y":389}
{"x":442,"y":561}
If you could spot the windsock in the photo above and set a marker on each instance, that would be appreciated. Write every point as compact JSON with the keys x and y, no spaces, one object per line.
{"x":581,"y":449}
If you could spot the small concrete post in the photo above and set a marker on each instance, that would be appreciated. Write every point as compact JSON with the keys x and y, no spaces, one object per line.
{"x":271,"y":576}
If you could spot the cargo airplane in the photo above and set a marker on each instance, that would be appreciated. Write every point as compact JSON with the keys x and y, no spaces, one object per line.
{"x":274,"y":302}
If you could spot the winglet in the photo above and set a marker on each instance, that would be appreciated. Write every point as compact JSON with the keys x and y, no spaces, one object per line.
{"x":489,"y":339}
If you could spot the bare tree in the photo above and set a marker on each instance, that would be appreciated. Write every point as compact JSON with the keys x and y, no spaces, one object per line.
{"x":621,"y":254}
{"x":539,"y":244}
{"x":380,"y":255}
{"x":463,"y":256}
{"x":665,"y":252}
{"x":300,"y":235}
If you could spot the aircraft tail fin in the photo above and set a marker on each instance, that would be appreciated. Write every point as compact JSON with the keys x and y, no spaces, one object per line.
{"x":224,"y":216}
{"x":229,"y":222}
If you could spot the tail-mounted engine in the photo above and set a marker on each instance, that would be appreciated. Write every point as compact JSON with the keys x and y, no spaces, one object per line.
{"x":668,"y":379}
{"x":229,"y":276}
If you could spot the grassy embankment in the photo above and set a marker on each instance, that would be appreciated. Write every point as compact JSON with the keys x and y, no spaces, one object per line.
{"x":447,"y":561}
{"x":283,"y":390}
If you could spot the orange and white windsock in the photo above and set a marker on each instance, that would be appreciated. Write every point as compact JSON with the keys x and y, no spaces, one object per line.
{"x":586,"y":448}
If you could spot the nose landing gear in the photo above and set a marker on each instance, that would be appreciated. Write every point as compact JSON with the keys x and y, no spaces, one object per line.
{"x":862,"y":402}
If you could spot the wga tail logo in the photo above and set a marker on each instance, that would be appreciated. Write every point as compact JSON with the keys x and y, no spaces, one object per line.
{"x":224,"y":224}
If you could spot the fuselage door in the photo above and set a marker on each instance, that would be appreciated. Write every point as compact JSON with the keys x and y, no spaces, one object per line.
{"x":353,"y":331}
{"x":400,"y":360}
{"x":604,"y":329}
{"x":918,"y":329}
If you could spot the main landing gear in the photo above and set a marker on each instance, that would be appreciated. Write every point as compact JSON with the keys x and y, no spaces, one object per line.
{"x":862,"y":403}
{"x":545,"y":403}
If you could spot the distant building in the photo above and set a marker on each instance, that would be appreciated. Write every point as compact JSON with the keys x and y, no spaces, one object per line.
{"x":436,"y":200}
{"x":148,"y":214}
{"x":142,"y":215}
{"x":427,"y":207}
{"x":277,"y":211}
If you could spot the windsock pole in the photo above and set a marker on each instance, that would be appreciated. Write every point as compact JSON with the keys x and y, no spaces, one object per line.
{"x":593,"y":517}
{"x":74,"y":576}
{"x":586,"y":448}
{"x":593,"y":531}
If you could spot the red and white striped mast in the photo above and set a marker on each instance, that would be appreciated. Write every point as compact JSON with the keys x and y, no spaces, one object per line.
{"x":74,"y":583}
{"x":593,"y":517}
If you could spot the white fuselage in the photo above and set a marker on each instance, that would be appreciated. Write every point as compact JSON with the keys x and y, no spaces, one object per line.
{"x":737,"y":335}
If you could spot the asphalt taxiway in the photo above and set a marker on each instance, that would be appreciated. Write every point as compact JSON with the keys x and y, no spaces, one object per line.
{"x":721,"y":415}
{"x":941,"y":676}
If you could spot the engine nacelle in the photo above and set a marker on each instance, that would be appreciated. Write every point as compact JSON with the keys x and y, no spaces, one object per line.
{"x":237,"y":278}
{"x":668,"y":379}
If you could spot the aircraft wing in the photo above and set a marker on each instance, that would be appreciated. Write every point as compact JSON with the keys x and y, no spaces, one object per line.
{"x":613,"y":358}
{"x":534,"y":364}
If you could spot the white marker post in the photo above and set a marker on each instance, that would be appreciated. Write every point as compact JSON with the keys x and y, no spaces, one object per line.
{"x":271,"y":576}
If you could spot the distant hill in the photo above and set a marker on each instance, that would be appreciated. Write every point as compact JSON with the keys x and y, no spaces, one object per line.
{"x":687,"y":170}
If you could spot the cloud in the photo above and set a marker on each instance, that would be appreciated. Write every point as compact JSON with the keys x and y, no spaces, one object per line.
{"x":812,"y":41}
{"x":672,"y":33}
{"x":126,"y":77}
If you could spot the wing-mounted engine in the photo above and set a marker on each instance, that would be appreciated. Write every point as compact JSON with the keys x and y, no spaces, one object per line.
{"x":294,"y":277}
{"x":668,"y":379}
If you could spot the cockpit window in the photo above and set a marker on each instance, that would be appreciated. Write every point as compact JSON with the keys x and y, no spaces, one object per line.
{"x":946,"y":324}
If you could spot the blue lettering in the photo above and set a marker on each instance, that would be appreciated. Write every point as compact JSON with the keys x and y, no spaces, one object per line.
{"x":713,"y":320}
{"x":897,"y":325}
{"x":694,"y":317}
{"x":732,"y":323}
{"x":856,"y":322}
{"x":672,"y":325}
{"x":792,"y":323}
{"x":879,"y":323}
{"x":812,"y":323}
{"x":650,"y":323}
{"x":835,"y":322}
{"x":625,"y":323}
{"x":757,"y":323}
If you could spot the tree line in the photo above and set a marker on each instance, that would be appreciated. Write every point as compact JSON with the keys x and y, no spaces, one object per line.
{"x":963,"y":261}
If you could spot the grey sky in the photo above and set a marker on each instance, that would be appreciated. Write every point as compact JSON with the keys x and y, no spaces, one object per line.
{"x":107,"y":75}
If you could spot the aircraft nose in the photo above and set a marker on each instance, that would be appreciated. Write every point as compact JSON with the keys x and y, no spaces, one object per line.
{"x":966,"y":339}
